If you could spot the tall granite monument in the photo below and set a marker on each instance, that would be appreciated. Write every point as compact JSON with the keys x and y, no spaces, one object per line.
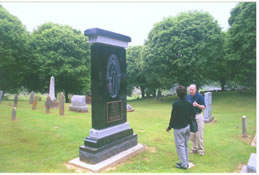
{"x":207,"y":112}
{"x":110,"y":133}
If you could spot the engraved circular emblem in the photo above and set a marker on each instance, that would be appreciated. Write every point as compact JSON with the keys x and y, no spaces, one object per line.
{"x":113,"y":76}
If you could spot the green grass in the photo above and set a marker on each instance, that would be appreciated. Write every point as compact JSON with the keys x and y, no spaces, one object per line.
{"x":40,"y":142}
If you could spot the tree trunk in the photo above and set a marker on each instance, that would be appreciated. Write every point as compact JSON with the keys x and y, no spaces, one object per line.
{"x":159,"y":93}
{"x":3,"y":94}
{"x":142,"y":89}
{"x":66,"y":96}
{"x":222,"y":83}
{"x":154,"y":93}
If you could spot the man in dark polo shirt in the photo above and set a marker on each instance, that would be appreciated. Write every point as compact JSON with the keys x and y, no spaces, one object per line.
{"x":197,"y":100}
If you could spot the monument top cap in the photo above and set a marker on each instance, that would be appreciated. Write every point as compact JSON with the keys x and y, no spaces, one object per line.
{"x":97,"y":35}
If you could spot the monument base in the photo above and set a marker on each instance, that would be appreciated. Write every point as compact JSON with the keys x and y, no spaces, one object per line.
{"x":208,"y":120}
{"x":112,"y":161}
{"x":95,"y":151}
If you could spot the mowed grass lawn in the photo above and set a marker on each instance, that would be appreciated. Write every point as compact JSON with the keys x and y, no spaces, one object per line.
{"x":40,"y":142}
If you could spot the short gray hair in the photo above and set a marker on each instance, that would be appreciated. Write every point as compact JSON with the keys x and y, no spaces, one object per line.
{"x":193,"y":85}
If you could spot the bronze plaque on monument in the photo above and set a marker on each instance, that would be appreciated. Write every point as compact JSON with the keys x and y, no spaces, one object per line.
{"x":113,"y":111}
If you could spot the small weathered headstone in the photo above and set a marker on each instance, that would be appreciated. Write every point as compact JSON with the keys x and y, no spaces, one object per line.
{"x":129,"y":108}
{"x":244,"y":126}
{"x":35,"y":101}
{"x":1,"y":95}
{"x":254,"y":141}
{"x":88,"y":99}
{"x":61,"y":104}
{"x":15,"y":101}
{"x":14,"y":113}
{"x":207,"y":112}
{"x":78,"y":104}
{"x":31,"y":97}
{"x":48,"y":104}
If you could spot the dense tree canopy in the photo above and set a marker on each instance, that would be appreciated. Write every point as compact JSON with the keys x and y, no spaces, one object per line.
{"x":64,"y":53}
{"x":135,"y":72}
{"x":242,"y":43}
{"x":181,"y":49}
{"x":188,"y":48}
{"x":14,"y":51}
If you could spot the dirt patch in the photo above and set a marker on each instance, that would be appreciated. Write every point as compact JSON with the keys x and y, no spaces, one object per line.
{"x":140,"y":130}
{"x":247,"y":139}
{"x":212,"y":122}
{"x":112,"y":168}
{"x":253,"y":143}
{"x":158,"y":140}
{"x":151,"y":149}
{"x":239,"y":168}
{"x":76,"y":168}
{"x":146,"y":159}
{"x":191,"y":165}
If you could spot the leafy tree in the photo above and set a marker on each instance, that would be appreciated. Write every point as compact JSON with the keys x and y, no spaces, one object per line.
{"x":242,"y":43}
{"x":14,"y":51}
{"x":181,"y":49}
{"x":135,"y":68}
{"x":64,"y":53}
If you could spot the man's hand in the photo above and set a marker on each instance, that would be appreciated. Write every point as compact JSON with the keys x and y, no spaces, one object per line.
{"x":195,"y":104}
{"x":167,"y":130}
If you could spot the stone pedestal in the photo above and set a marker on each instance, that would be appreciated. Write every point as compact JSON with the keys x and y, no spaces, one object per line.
{"x":207,"y":112}
{"x":110,"y":133}
{"x":110,"y":162}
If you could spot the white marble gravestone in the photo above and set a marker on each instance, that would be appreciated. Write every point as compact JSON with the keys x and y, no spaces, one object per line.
{"x":1,"y":95}
{"x":207,"y":112}
{"x":78,"y":104}
{"x":52,"y":89}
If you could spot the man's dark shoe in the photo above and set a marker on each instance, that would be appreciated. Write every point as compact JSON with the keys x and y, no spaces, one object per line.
{"x":179,"y":163}
{"x":181,"y":167}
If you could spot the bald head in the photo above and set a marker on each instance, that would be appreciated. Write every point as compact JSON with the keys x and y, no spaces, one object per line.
{"x":192,"y":89}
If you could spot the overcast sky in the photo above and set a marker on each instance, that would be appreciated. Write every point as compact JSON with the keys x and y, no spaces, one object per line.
{"x":132,"y":19}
